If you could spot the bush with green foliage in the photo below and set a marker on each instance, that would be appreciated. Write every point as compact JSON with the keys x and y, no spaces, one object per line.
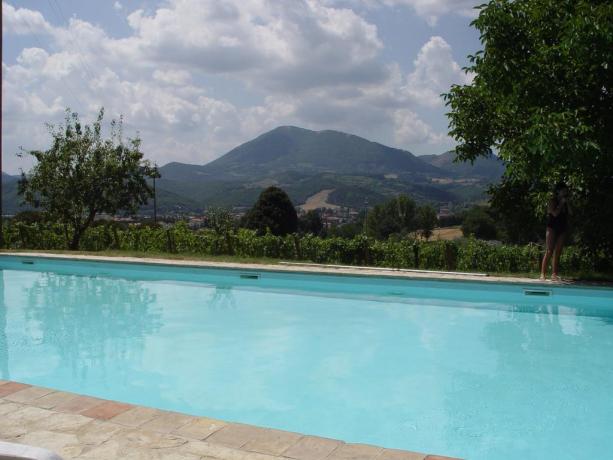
{"x":479,"y":223}
{"x":466,"y":255}
{"x":311,"y":223}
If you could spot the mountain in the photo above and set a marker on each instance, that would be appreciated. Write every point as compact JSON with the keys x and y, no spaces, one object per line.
{"x":10,"y":200}
{"x":352,"y":170}
{"x":490,"y":167}
{"x":291,"y":149}
{"x":322,"y":167}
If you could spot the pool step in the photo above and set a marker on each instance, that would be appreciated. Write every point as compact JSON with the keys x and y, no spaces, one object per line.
{"x":538,"y":292}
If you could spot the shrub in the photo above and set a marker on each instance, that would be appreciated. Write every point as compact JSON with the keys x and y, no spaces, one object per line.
{"x":469,"y":254}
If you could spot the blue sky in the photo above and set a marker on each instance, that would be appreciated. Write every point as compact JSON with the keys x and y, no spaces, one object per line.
{"x":195,"y":78}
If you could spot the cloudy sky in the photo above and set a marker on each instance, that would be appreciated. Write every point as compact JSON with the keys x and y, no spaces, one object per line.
{"x":195,"y":78}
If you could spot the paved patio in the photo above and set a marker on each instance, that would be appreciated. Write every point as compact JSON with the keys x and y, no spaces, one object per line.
{"x":294,"y":267}
{"x":81,"y":427}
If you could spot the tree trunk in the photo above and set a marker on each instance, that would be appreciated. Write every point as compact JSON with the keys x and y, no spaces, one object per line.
{"x":76,"y":238}
{"x":80,"y":229}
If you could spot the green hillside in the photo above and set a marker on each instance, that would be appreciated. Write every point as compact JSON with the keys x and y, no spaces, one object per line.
{"x":10,"y":200}
{"x":304,"y":162}
{"x":490,"y":168}
{"x":288,"y":148}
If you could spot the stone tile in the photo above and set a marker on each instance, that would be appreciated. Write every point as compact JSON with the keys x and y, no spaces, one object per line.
{"x":2,"y":382}
{"x":21,"y":421}
{"x":113,"y":449}
{"x":235,"y":435}
{"x":150,"y":439}
{"x":273,"y":442}
{"x":11,"y":387}
{"x":107,"y":410}
{"x":77,"y":404}
{"x":29,"y":394}
{"x":52,"y":400}
{"x":7,"y":407}
{"x":167,"y":422}
{"x":136,"y":416}
{"x":64,"y":444}
{"x":355,"y":452}
{"x":393,"y":454}
{"x":96,"y":432}
{"x":200,"y":428}
{"x":207,"y":450}
{"x":312,"y":448}
{"x":58,"y":421}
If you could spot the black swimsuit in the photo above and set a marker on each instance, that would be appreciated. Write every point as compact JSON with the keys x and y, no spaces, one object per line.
{"x":558,"y":223}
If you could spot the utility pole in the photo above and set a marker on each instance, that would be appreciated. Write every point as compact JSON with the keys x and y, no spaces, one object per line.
{"x":1,"y":173}
{"x":156,"y":175}
{"x":155,"y":203}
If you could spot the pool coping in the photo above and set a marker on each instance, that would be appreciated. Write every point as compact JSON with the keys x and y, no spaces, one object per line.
{"x":313,"y":269}
{"x":83,"y":427}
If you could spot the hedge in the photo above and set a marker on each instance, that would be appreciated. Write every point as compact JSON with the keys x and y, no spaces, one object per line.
{"x":463,"y":255}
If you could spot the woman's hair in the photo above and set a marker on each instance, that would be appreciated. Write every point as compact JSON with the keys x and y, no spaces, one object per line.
{"x":560,"y":186}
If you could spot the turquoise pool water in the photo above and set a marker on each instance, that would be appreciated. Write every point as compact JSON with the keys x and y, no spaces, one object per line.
{"x":474,"y":370}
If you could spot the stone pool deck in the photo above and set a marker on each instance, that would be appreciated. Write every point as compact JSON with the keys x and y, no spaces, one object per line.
{"x":82,"y":427}
{"x":293,"y":267}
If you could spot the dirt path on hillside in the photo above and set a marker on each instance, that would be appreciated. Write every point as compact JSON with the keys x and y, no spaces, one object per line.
{"x":318,"y":201}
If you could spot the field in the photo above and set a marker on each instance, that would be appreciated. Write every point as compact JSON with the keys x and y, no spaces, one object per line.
{"x":447,"y":233}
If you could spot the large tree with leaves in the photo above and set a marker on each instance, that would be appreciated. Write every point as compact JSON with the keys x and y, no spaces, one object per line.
{"x":83,"y":174}
{"x":394,"y":217}
{"x":542,"y":98}
{"x":274,"y":212}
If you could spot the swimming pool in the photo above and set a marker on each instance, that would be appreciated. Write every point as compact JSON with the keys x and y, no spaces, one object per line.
{"x":473,"y":370}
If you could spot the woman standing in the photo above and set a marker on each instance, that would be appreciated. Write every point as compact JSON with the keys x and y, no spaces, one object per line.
{"x":557,"y":225}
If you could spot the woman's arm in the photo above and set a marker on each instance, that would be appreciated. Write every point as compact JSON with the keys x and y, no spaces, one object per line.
{"x":555,"y":210}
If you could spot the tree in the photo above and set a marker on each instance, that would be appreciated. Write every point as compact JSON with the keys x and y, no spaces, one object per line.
{"x":273,"y":211}
{"x":478,"y":223}
{"x":82,"y":175}
{"x":426,"y":220}
{"x":349,"y":230}
{"x":311,"y":223}
{"x":396,"y":216}
{"x":542,"y":98}
{"x":513,"y":211}
{"x":220,"y":220}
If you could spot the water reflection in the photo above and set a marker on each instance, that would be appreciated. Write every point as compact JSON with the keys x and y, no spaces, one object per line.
{"x":543,"y":386}
{"x":84,"y":323}
{"x":4,"y":352}
{"x":222,"y":297}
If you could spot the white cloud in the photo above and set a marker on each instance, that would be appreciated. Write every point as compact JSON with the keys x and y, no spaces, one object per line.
{"x":117,"y":6}
{"x":282,"y":45}
{"x":23,"y":21}
{"x":409,"y":129}
{"x":172,"y":76}
{"x":429,"y":10}
{"x":432,"y":10}
{"x":435,"y":71}
{"x":302,"y":62}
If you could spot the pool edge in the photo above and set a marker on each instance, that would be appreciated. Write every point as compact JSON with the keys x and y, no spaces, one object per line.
{"x":54,"y":419}
{"x":313,"y":269}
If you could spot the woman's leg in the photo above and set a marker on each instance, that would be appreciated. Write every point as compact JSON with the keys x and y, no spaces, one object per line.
{"x":549,"y":246}
{"x":557,"y":251}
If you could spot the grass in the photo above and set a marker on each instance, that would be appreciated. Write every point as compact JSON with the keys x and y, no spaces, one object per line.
{"x":595,"y":277}
{"x":155,"y":255}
